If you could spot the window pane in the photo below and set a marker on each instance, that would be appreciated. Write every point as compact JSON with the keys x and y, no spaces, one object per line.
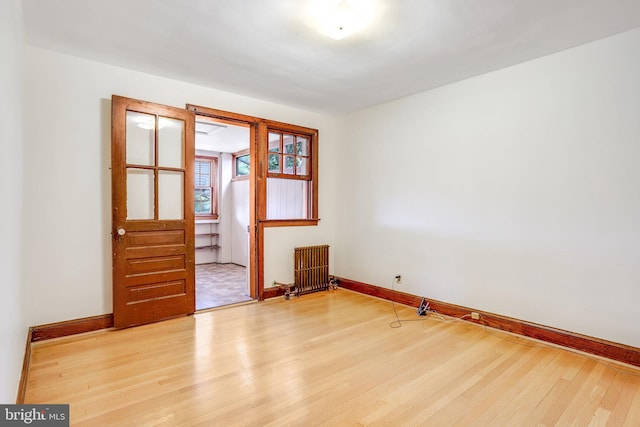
{"x":242,"y":165}
{"x":289,"y":161}
{"x":274,"y":142}
{"x":302,"y":146}
{"x":170,"y":195}
{"x":170,"y":143}
{"x":202,"y":201}
{"x":274,"y":163}
{"x":286,"y":198}
{"x":140,"y":194}
{"x":301,"y":166}
{"x":140,"y":137}
{"x":289,"y":144}
{"x":202,"y":170}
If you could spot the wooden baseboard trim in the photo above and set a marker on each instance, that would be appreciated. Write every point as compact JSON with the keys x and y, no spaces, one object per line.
{"x":26,"y":365}
{"x":71,"y":327}
{"x":272,"y":292}
{"x":611,"y":350}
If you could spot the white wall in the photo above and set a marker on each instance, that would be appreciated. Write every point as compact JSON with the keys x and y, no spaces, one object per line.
{"x":67,"y":145}
{"x":226,"y":208}
{"x":516,"y":192}
{"x":240,"y":222}
{"x":13,"y":326}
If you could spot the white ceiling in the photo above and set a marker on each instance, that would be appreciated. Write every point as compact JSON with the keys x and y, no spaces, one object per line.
{"x":264,"y":49}
{"x":224,"y":137}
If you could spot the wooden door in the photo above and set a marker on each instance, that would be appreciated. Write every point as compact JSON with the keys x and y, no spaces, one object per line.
{"x":152,"y":153}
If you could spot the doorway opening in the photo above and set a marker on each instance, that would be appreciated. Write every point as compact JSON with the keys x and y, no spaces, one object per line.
{"x":222,"y":212}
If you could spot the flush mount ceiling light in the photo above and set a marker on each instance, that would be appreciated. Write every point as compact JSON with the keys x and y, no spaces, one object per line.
{"x":341,"y":18}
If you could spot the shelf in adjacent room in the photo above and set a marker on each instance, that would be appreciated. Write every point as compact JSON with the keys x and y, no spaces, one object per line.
{"x":208,"y":247}
{"x":207,"y":242}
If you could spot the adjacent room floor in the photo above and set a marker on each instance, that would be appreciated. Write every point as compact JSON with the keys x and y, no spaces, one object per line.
{"x":331,"y":358}
{"x":220,"y":284}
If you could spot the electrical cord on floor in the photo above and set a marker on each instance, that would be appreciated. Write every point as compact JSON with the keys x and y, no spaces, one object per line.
{"x":398,"y":322}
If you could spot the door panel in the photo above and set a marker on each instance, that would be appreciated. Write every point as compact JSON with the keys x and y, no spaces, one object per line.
{"x":152,"y":157}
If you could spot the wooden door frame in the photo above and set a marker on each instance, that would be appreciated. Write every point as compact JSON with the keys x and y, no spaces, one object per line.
{"x":256,"y":239}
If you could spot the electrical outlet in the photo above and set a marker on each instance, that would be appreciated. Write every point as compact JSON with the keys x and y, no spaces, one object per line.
{"x":398,"y":279}
{"x":475,"y":315}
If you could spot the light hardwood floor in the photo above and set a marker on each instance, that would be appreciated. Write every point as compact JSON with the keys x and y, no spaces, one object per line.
{"x":328,"y":358}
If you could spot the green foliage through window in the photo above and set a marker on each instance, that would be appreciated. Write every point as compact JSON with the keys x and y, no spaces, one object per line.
{"x":288,"y":154}
{"x":243,"y":164}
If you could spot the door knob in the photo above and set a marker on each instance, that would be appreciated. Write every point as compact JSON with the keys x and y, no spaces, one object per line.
{"x":121,"y":231}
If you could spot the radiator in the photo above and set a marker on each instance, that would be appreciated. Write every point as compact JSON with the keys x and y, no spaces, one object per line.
{"x":310,"y":272}
{"x":311,"y":269}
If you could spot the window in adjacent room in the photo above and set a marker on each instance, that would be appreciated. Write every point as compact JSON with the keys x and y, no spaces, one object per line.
{"x":205,"y":185}
{"x":241,"y":164}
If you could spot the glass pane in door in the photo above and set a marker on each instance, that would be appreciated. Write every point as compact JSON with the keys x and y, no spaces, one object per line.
{"x":170,"y":195}
{"x":140,"y":139}
{"x":170,"y":143}
{"x":140,"y":194}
